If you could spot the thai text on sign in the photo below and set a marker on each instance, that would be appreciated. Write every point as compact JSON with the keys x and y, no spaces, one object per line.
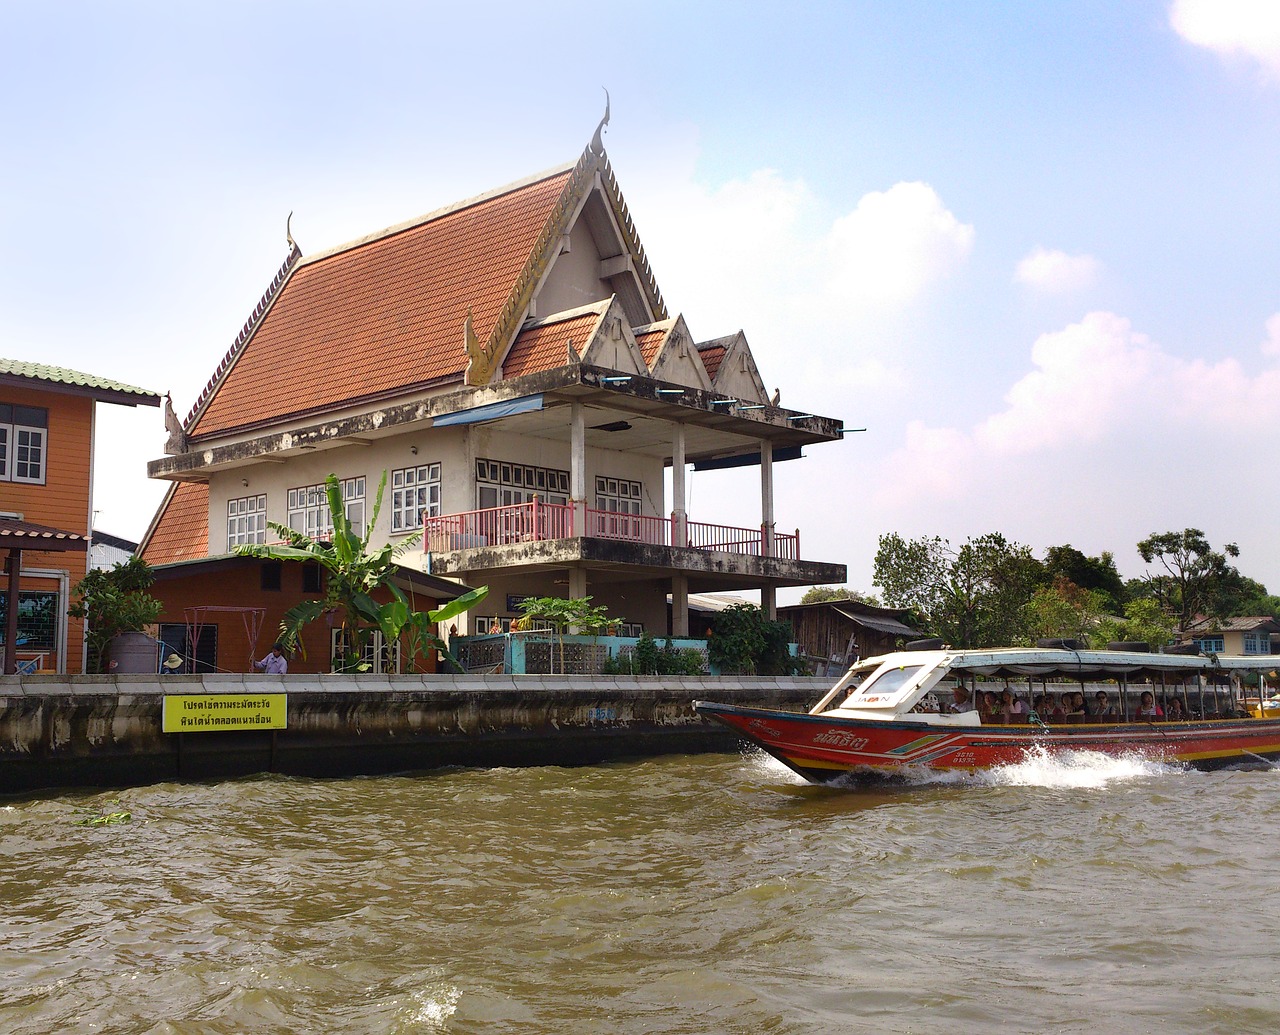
{"x":210,"y":713}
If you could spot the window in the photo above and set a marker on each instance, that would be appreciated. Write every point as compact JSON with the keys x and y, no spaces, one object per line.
{"x":618,"y":495}
{"x":1257,"y":643}
{"x":377,"y":655}
{"x":246,"y":521}
{"x":415,"y":494}
{"x":270,"y":575}
{"x":173,"y":640}
{"x":312,"y":578}
{"x":24,"y":432}
{"x":309,"y":508}
{"x":37,"y":620}
{"x":1210,"y":645}
{"x":502,"y":484}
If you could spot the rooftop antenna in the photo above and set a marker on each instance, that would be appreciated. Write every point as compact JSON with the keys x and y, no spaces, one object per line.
{"x":597,"y":144}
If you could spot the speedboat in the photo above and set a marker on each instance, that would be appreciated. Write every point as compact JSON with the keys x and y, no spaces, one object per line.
{"x":913,"y":708}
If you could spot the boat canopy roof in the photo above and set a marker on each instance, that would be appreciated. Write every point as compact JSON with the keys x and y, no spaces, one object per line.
{"x":895,"y":682}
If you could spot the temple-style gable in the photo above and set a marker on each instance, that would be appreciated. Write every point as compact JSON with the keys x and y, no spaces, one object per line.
{"x":675,"y":358}
{"x":735,"y":372}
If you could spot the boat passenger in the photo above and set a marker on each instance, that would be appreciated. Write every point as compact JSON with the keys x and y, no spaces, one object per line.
{"x":960,"y":702}
{"x":1102,"y":710}
{"x":989,"y":708}
{"x":1176,"y":712}
{"x":1074,"y":710}
{"x":1012,"y":708}
{"x":1147,"y":707}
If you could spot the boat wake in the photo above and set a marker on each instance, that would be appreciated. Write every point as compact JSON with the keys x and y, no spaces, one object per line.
{"x":1062,"y":769}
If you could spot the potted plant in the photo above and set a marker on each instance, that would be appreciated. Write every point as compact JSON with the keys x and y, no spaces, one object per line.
{"x":117,"y":609}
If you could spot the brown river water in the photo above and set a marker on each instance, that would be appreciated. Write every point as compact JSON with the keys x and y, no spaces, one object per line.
{"x":712,"y":893}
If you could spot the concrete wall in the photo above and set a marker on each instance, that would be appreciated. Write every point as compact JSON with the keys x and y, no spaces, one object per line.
{"x":106,"y":730}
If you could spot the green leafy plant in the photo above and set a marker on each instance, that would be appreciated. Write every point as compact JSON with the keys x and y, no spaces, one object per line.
{"x":101,"y":817}
{"x":113,"y":601}
{"x":563,"y":615}
{"x":650,"y":659}
{"x":354,"y":574}
{"x":744,"y":642}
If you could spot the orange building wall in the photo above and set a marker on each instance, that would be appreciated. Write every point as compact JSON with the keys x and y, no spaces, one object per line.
{"x":63,"y":500}
{"x":238,"y":583}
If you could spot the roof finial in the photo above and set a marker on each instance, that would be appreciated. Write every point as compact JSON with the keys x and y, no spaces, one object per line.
{"x":597,"y":144}
{"x":288,"y":235}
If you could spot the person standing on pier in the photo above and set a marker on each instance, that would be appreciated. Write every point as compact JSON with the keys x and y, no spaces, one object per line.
{"x":275,"y":663}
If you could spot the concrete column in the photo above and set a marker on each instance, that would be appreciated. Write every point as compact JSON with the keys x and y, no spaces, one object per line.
{"x":577,"y":583}
{"x":766,"y":498}
{"x":679,"y":605}
{"x":578,"y":467}
{"x":679,"y":515}
{"x":769,"y":602}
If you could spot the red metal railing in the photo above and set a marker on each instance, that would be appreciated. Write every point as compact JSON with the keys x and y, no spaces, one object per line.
{"x":537,"y":521}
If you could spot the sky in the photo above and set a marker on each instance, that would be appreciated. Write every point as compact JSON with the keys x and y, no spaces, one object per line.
{"x":1033,"y":249}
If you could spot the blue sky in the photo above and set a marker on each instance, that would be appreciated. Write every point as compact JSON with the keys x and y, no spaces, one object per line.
{"x":1031,"y":247}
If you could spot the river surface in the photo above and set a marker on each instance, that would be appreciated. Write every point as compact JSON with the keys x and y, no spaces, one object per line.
{"x":711,"y":893}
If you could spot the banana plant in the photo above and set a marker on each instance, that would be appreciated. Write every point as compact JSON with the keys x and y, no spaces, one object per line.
{"x":353,"y":574}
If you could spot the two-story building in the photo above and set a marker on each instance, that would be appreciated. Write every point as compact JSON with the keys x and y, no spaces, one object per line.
{"x":512,"y":366}
{"x":46,"y":506}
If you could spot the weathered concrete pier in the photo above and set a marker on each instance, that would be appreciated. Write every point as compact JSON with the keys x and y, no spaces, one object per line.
{"x":106,"y":731}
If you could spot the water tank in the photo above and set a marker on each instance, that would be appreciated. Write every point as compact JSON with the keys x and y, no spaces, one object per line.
{"x":132,"y":652}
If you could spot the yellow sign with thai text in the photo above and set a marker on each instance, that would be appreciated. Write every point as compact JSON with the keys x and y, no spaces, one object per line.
{"x":211,"y":713}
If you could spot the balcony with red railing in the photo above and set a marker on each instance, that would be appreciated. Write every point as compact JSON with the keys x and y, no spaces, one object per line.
{"x":540,"y":522}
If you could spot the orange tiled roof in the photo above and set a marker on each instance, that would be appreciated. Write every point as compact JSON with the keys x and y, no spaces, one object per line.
{"x":649,"y":342}
{"x":385,"y":314}
{"x":181,"y":530}
{"x":711,"y":356}
{"x":547,"y":346}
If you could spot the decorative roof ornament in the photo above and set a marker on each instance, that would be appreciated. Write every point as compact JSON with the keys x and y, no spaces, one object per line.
{"x":597,"y":142}
{"x":176,"y":443}
{"x":288,"y":236}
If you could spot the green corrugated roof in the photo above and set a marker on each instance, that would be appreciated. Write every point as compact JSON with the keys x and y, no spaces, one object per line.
{"x":63,"y":376}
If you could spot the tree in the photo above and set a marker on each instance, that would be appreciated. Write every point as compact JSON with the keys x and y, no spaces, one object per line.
{"x":743,"y":641}
{"x":1144,"y":621}
{"x":1195,"y":575}
{"x":971,"y":597}
{"x":354,"y":574}
{"x":821,"y":594}
{"x":564,"y":614}
{"x":1066,"y":611}
{"x":1096,"y":573}
{"x":113,"y":601}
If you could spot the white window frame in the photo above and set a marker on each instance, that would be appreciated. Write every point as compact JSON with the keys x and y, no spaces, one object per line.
{"x":18,"y":439}
{"x":503,"y":483}
{"x":375,"y":654}
{"x":619,"y":495}
{"x":415,"y":495}
{"x":246,"y":520}
{"x":308,"y":508}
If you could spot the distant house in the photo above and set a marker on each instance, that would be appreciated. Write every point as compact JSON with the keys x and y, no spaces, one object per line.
{"x":106,"y":550}
{"x":839,"y":632}
{"x":510,"y":363}
{"x":46,"y":506}
{"x":1234,"y":636}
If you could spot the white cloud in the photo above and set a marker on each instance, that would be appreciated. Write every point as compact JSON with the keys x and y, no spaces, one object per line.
{"x":1055,"y":271}
{"x":894,"y":244}
{"x":1271,"y":347}
{"x":1248,"y":28}
{"x":1107,"y":438}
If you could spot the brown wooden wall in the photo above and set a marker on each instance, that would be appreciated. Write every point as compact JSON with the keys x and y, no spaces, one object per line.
{"x":62,"y":501}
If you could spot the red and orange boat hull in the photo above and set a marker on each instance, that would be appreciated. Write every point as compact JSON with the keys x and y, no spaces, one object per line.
{"x":823,"y":747}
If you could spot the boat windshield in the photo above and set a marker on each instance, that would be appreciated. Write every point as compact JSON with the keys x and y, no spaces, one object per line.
{"x":885,"y":684}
